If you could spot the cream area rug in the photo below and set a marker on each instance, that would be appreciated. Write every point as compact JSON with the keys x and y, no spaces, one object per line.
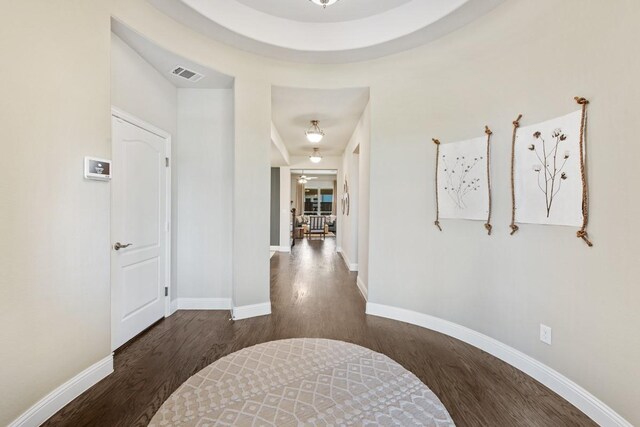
{"x":303,"y":382}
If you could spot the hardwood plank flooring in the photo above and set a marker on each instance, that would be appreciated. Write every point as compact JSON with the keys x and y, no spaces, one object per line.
{"x":314,"y":295}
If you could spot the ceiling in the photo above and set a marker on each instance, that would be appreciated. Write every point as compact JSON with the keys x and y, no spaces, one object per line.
{"x":338,"y":111}
{"x":350,"y":30}
{"x":314,"y":172}
{"x":164,"y":61}
{"x":305,"y":11}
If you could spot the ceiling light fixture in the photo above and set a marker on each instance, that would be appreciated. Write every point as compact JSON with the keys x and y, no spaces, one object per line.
{"x":304,"y":178}
{"x":315,"y":157}
{"x":314,"y":134}
{"x":324,"y":3}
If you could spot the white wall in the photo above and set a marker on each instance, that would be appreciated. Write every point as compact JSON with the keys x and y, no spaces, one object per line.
{"x":349,"y":231}
{"x":204,"y":181}
{"x":251,"y":186}
{"x":532,"y":58}
{"x":354,"y":241}
{"x":54,"y":224}
{"x":276,"y":139}
{"x":139,"y":89}
{"x":362,"y":136}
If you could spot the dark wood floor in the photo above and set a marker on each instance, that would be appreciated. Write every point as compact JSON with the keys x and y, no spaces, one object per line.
{"x":314,"y":295}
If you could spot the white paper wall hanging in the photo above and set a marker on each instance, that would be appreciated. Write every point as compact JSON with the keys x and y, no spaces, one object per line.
{"x":548,"y":178}
{"x":463,"y":180}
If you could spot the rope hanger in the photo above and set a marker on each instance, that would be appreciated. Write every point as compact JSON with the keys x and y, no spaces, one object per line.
{"x":582,"y":233}
{"x":488,"y":225}
{"x":513,"y":226}
{"x":437,"y":221}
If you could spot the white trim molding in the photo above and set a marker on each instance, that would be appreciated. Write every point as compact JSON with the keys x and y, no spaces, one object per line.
{"x":121,"y":114}
{"x":61,"y":396}
{"x":362,"y":287}
{"x":173,"y":306}
{"x":280,"y":248}
{"x":593,"y":407}
{"x":351,"y":266}
{"x":247,"y":311}
{"x":204,"y":303}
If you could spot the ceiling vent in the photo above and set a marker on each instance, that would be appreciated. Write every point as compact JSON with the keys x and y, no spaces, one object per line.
{"x":185,"y":73}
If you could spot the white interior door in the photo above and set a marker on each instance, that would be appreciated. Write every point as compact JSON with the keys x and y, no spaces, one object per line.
{"x":139,"y":229}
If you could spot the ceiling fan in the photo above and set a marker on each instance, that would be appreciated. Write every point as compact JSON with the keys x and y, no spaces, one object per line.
{"x":304,"y":178}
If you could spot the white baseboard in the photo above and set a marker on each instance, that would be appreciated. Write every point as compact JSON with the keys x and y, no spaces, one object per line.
{"x":254,"y":310}
{"x":284,"y":249}
{"x":362,"y":287}
{"x":350,"y":265}
{"x":173,"y":306}
{"x":204,"y":303}
{"x":61,"y":396}
{"x":594,"y":408}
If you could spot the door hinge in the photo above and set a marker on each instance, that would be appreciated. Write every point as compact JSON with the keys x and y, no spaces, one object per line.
{"x":166,"y":291}
{"x":166,"y":161}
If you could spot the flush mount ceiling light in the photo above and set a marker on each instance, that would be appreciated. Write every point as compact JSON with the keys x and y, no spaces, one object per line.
{"x":315,"y":157}
{"x":324,"y":3}
{"x":314,"y":134}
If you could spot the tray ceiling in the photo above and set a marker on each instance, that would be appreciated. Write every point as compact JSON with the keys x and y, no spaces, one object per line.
{"x":301,"y":31}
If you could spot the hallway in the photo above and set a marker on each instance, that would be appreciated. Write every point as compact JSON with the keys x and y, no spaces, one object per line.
{"x":314,"y":295}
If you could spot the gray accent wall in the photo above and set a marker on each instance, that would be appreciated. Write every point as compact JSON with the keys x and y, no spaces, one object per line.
{"x":275,"y":207}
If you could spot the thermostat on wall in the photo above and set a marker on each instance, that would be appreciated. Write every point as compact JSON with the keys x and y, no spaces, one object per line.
{"x":95,"y":168}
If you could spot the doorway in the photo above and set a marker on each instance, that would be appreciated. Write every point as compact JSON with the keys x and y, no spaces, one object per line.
{"x":140,"y":224}
{"x":314,"y":194}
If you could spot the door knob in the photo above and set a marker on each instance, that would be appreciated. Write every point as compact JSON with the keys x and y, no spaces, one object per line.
{"x":119,"y":246}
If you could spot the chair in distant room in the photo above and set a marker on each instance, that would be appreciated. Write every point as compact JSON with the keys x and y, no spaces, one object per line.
{"x":316,"y":227}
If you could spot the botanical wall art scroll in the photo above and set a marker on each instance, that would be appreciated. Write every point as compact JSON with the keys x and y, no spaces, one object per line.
{"x":549,"y":184}
{"x":463,"y":180}
{"x":345,"y":198}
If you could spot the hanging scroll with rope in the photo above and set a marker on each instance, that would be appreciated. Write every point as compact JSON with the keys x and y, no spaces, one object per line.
{"x":463,"y":180}
{"x":549,"y":183}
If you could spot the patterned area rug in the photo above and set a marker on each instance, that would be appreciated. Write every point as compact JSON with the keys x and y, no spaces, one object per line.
{"x":311,"y":382}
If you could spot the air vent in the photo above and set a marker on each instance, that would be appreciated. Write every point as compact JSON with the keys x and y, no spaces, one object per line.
{"x":185,"y":73}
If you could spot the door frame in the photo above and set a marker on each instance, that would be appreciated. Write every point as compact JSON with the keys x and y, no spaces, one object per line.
{"x":135,"y":121}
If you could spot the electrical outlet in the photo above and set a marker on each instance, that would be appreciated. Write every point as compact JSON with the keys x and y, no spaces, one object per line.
{"x":545,"y":334}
